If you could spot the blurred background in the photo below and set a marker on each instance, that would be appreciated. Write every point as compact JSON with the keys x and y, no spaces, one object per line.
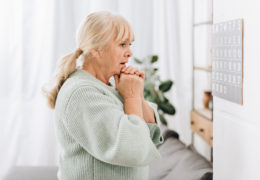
{"x":36,"y":34}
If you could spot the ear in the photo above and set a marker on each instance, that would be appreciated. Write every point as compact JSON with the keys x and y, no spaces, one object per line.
{"x":95,"y":53}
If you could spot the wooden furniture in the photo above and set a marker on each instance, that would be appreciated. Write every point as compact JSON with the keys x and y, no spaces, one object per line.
{"x":201,"y":118}
{"x":202,"y":125}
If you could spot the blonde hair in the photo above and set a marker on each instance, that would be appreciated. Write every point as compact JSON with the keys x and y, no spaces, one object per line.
{"x":94,"y":33}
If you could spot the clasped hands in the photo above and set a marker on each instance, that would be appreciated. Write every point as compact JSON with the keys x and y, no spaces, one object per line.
{"x":130,"y":82}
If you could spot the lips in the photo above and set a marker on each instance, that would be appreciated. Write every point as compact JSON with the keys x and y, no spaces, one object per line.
{"x":124,"y":62}
{"x":122,"y":65}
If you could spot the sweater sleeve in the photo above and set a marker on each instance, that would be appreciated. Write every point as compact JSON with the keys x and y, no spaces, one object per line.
{"x":102,"y":128}
{"x":155,"y":132}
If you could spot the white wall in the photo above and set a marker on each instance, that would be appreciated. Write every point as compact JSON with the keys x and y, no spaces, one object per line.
{"x":237,"y":127}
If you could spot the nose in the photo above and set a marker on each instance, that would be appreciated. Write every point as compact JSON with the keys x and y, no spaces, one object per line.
{"x":129,"y":53}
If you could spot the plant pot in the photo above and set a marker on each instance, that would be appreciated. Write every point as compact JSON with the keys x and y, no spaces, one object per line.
{"x":206,"y":99}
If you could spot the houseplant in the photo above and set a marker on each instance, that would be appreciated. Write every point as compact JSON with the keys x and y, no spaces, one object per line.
{"x":154,"y":88}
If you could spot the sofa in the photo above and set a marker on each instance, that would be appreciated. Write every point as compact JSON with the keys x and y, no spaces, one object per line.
{"x":179,"y":162}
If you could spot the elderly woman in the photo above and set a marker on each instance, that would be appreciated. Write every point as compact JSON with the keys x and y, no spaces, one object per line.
{"x":105,"y":132}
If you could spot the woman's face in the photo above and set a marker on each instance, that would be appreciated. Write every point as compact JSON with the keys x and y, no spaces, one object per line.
{"x":115,"y":56}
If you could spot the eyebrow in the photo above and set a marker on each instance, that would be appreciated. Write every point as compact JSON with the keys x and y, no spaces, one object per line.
{"x":127,"y":41}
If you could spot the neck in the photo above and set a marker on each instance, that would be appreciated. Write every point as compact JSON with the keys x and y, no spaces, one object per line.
{"x":96,"y":71}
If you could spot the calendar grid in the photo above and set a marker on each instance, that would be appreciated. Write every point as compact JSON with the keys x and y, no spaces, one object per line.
{"x":227,"y":60}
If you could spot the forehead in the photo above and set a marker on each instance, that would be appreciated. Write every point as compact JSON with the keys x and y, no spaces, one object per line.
{"x":125,"y":40}
{"x":123,"y":32}
{"x":117,"y":41}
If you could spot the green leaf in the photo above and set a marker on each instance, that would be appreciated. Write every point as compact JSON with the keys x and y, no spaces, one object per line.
{"x":167,"y":108}
{"x":138,"y":61}
{"x":150,"y":87}
{"x":160,"y":95}
{"x":166,"y":86}
{"x":146,"y":93}
{"x":163,"y":120}
{"x":166,"y":100}
{"x":154,"y":88}
{"x":149,"y":98}
{"x":154,"y":59}
{"x":154,"y":71}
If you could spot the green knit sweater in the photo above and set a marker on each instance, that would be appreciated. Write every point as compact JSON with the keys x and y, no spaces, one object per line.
{"x":97,"y":139}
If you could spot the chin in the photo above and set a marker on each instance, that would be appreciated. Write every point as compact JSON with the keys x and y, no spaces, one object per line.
{"x":117,"y":73}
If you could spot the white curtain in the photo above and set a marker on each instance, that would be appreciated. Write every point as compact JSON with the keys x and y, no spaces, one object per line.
{"x":35,"y":34}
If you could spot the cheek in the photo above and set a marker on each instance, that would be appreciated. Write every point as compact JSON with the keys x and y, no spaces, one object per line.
{"x":117,"y":58}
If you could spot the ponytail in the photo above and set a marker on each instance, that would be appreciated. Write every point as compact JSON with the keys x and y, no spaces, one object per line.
{"x":66,"y":67}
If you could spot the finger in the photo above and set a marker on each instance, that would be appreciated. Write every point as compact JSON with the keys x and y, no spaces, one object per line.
{"x":116,"y":77}
{"x":123,"y":69}
{"x":142,"y":74}
{"x":133,"y":71}
{"x":136,"y":71}
{"x":130,"y":70}
{"x":135,"y":74}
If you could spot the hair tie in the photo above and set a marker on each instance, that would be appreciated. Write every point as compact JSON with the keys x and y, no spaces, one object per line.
{"x":78,"y":52}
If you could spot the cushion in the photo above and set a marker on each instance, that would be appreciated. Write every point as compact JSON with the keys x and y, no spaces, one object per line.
{"x":179,"y":162}
{"x":32,"y":173}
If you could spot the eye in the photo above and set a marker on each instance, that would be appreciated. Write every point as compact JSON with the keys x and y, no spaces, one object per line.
{"x":123,"y":44}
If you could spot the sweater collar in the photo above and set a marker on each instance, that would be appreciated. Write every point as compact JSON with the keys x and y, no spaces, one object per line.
{"x":82,"y":74}
{"x":86,"y":75}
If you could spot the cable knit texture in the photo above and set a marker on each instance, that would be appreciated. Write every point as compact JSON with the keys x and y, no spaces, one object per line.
{"x":97,"y":139}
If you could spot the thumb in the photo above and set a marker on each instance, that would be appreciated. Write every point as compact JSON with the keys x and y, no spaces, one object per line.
{"x":116,"y":77}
